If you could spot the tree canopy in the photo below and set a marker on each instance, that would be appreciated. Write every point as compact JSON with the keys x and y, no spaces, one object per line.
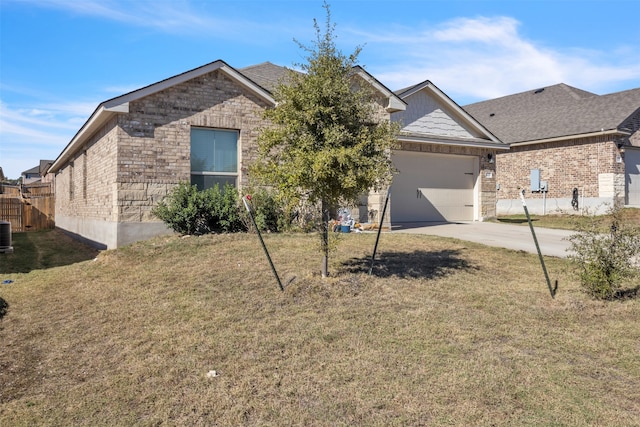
{"x":329,"y":141}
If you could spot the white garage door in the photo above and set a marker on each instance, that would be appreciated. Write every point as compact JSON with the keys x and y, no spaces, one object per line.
{"x":632,"y":175}
{"x":432,"y":187}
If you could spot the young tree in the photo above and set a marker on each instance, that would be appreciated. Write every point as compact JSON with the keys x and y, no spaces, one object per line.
{"x":327,"y":144}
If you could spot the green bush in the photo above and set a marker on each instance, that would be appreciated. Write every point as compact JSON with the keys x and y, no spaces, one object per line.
{"x":269,"y":213}
{"x":606,"y":261}
{"x":189,"y":211}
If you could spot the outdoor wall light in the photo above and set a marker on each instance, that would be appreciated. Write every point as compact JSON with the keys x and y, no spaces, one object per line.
{"x":490,"y":158}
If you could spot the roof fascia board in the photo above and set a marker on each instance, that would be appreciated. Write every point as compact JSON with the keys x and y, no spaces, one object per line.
{"x":186,"y":76}
{"x":457,"y":143}
{"x":611,"y":132}
{"x":99,"y":117}
{"x":395,"y":102}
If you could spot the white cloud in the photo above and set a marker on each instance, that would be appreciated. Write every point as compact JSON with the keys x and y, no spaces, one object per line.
{"x":483,"y":58}
{"x":174,"y":17}
{"x":28,"y":135}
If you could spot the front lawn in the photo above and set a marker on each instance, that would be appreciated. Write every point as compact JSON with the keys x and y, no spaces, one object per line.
{"x":444,"y":333}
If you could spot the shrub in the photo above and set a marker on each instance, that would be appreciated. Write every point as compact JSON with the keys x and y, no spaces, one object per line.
{"x":189,"y":211}
{"x":606,"y":261}
{"x":269,"y":213}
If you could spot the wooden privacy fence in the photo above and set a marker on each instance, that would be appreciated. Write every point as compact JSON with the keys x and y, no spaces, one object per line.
{"x":30,"y":210}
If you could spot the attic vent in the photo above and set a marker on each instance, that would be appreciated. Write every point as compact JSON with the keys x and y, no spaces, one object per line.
{"x":539,"y":91}
{"x":492,"y":114}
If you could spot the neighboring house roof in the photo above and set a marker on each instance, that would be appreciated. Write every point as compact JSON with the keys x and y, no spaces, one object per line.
{"x":261,"y":79}
{"x":424,"y":126}
{"x":33,"y":171}
{"x":553,"y":112}
{"x":44,"y":166}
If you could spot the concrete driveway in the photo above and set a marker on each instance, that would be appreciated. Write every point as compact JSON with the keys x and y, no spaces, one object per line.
{"x":517,"y":237}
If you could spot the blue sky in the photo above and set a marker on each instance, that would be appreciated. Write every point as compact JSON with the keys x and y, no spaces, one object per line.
{"x":60,"y":58}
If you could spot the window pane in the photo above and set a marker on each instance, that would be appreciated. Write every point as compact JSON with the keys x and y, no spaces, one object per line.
{"x":214,"y":150}
{"x":209,"y":181}
{"x":226,"y":149}
{"x":201,"y":150}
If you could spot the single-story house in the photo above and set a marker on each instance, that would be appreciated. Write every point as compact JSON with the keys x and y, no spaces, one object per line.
{"x":199,"y":126}
{"x":570,"y":150}
{"x":202,"y":125}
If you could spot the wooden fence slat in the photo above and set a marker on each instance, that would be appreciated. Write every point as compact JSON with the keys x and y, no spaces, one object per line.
{"x":33,"y":211}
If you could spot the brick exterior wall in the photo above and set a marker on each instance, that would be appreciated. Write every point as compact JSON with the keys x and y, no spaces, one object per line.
{"x":134,"y":160}
{"x":85,"y":187}
{"x":565,"y":165}
{"x":588,"y":164}
{"x":155,"y":137}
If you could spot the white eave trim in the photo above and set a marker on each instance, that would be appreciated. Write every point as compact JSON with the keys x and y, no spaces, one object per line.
{"x":610,"y":132}
{"x":395,"y":103}
{"x":456,"y":142}
{"x":99,"y":117}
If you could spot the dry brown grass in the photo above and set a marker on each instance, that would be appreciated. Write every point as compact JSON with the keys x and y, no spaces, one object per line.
{"x":443,"y":333}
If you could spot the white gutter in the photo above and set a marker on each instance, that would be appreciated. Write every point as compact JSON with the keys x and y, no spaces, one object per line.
{"x":457,"y":142}
{"x":613,"y":132}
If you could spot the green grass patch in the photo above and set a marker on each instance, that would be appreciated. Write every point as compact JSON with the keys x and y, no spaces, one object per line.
{"x":570,"y":222}
{"x":443,"y":333}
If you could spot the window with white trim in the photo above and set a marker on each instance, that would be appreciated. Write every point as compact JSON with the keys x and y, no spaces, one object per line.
{"x":214,"y":157}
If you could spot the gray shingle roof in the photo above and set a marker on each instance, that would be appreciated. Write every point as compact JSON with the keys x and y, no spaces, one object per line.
{"x":266,"y":74}
{"x":554,"y":111}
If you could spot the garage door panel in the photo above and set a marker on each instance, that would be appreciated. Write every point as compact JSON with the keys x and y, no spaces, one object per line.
{"x":432,"y":187}
{"x":452,"y":204}
{"x":632,"y":175}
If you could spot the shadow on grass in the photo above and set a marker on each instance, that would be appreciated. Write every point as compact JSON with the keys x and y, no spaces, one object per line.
{"x":37,"y":250}
{"x":4,"y":306}
{"x":625,"y":294}
{"x":516,"y":220}
{"x":416,"y":264}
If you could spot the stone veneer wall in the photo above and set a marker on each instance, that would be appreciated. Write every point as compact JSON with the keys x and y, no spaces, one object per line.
{"x":588,"y":164}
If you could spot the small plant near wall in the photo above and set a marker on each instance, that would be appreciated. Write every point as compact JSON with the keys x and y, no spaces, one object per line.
{"x":608,"y":261}
{"x":189,"y":211}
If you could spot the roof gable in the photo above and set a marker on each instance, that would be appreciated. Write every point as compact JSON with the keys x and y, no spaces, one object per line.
{"x":431,"y":113}
{"x":120,"y":104}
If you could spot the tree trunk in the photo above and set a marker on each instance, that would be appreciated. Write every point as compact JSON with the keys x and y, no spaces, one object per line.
{"x":325,"y":240}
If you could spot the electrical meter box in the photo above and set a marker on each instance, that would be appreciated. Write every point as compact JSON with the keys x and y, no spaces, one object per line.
{"x":535,"y":180}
